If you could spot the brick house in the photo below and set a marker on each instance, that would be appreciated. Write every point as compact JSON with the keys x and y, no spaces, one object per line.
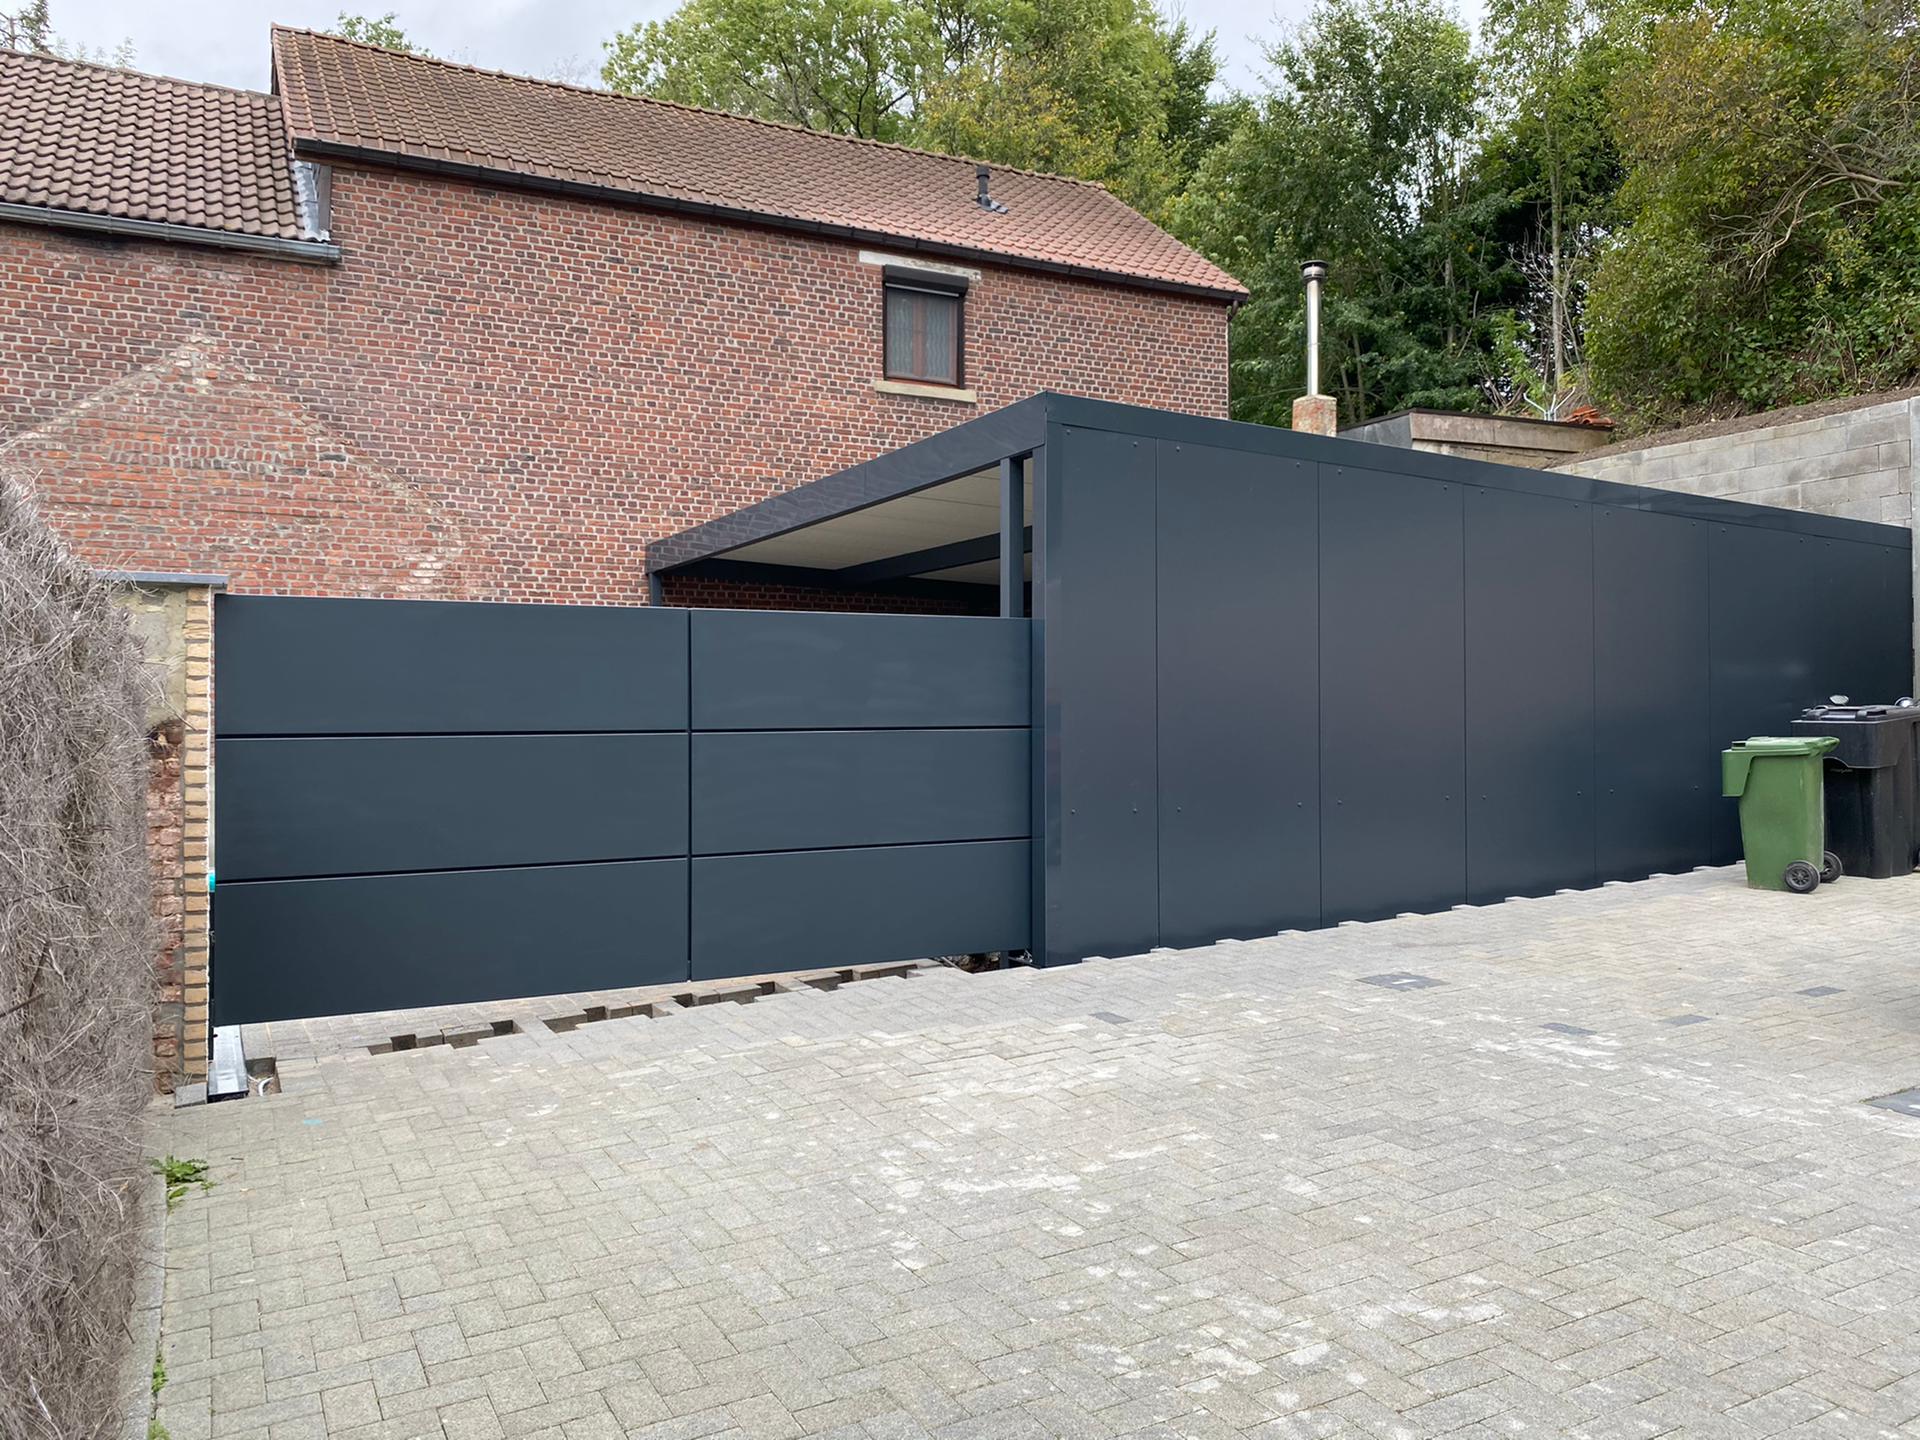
{"x":407,"y":328}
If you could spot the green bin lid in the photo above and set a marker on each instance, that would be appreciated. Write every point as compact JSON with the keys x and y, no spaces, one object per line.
{"x":1735,"y":763}
{"x":1787,"y":744}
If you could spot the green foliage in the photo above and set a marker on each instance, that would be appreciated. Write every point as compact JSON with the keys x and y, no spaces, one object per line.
{"x":1675,"y":203}
{"x":853,"y":67}
{"x":1358,"y":155}
{"x":26,"y":27}
{"x":181,"y":1176}
{"x":1551,"y":154}
{"x":378,"y":30}
{"x":30,"y":27}
{"x":1771,"y":247}
{"x":159,"y":1381}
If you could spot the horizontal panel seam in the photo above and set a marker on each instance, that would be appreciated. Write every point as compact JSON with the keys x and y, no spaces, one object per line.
{"x":674,"y":856}
{"x":219,"y":734}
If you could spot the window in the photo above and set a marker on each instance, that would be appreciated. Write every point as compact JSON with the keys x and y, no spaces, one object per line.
{"x":923,"y":325}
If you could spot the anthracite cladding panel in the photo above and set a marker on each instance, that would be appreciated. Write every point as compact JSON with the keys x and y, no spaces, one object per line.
{"x":1103,"y":869}
{"x":1529,"y":694}
{"x":1788,"y":633}
{"x":391,"y":942}
{"x":418,"y":857}
{"x":1236,"y":626}
{"x":312,"y":806}
{"x":1239,"y":793}
{"x":790,"y":670}
{"x":1392,"y":707}
{"x":1656,"y":762}
{"x":815,"y":789}
{"x":379,"y":667}
{"x":815,"y":908}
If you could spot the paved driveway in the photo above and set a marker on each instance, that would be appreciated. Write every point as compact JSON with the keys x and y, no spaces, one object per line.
{"x":1602,"y":1169}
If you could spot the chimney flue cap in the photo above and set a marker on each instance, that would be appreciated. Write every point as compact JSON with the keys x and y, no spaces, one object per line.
{"x":1314,"y":270}
{"x":984,"y":197}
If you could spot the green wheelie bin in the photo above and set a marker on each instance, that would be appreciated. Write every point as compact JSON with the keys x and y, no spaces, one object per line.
{"x":1783,"y":816}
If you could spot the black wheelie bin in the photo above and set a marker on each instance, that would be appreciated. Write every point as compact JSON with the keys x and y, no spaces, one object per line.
{"x":1873,"y":784}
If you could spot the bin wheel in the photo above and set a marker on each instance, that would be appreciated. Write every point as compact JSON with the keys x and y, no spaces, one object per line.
{"x":1830,"y":870}
{"x":1800,"y":877}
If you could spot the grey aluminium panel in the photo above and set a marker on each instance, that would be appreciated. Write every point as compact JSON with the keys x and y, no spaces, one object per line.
{"x":1239,"y":765}
{"x":1100,"y":731}
{"x":1767,"y":644}
{"x":1786,"y":635}
{"x":292,"y":948}
{"x":1656,"y":767}
{"x":804,"y":909}
{"x":295,"y":666}
{"x":1529,"y":692}
{"x":1392,"y":703}
{"x":815,"y":789}
{"x":1867,"y":594}
{"x":363,"y":805}
{"x":798,"y":670}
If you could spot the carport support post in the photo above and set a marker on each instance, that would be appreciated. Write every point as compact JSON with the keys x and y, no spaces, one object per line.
{"x":1035,"y":474}
{"x":1013,"y":535}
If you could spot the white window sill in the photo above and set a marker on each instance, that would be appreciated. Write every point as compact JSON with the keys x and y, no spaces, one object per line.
{"x":926,"y":392}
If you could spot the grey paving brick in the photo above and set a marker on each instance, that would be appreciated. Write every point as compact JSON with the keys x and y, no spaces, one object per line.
{"x":1270,"y":1201}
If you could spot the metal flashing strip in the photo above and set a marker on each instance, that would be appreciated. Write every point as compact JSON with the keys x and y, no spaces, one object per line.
{"x":309,"y":252}
{"x":227,"y":1075}
{"x":162,"y":577}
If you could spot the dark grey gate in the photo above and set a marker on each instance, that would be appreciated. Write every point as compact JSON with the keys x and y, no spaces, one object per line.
{"x":419,"y":802}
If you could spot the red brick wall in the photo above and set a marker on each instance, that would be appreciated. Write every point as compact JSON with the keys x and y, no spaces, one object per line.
{"x":498,"y":394}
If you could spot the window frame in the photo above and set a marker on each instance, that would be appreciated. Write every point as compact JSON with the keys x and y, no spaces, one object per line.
{"x":925,"y":282}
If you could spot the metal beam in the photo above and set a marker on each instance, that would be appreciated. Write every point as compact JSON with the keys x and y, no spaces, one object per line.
{"x":747,"y":572}
{"x":965,"y":449}
{"x":923,"y":562}
{"x":1016,"y":537}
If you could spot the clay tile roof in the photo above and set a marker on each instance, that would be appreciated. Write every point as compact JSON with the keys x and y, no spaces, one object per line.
{"x":346,"y":97}
{"x":105,"y":141}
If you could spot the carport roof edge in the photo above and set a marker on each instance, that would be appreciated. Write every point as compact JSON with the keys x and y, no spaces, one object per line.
{"x":1022,"y":428}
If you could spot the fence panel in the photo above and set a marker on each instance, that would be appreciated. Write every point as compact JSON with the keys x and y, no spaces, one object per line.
{"x":426,"y":803}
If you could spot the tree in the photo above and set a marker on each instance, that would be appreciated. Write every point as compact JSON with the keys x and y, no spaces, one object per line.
{"x":378,"y":30}
{"x":852,"y":67}
{"x":1091,"y":88}
{"x":1357,"y":155}
{"x":1102,"y":89}
{"x":27,"y":28}
{"x":1551,"y":62}
{"x":1770,"y":248}
{"x":30,"y":27}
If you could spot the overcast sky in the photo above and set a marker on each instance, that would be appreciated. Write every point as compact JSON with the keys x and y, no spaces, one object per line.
{"x":225,"y":41}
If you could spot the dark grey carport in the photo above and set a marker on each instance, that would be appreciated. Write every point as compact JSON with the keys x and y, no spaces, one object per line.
{"x":1281,"y":681}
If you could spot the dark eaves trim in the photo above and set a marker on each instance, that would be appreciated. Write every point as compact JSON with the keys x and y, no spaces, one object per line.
{"x":647,"y":200}
{"x":308,"y":252}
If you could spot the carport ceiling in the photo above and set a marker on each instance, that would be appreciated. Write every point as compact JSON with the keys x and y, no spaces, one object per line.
{"x":949,"y":531}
